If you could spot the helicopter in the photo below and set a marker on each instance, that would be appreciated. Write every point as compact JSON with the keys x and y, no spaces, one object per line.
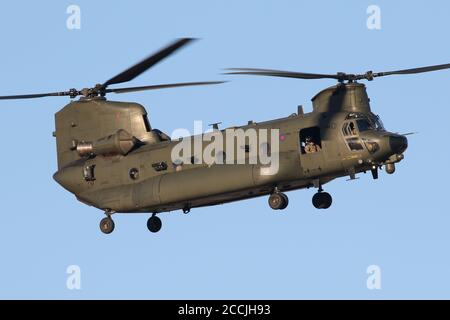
{"x":111,"y":158}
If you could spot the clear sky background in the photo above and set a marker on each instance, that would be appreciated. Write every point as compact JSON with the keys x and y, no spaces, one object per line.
{"x":241,"y":250}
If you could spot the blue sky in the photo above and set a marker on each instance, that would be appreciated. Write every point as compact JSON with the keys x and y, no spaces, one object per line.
{"x":241,"y":250}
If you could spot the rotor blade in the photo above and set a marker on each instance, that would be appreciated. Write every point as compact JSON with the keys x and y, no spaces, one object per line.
{"x":147,"y":63}
{"x":414,"y":70}
{"x":280,"y":73}
{"x":162,"y":86}
{"x":408,"y":134}
{"x":37,"y":95}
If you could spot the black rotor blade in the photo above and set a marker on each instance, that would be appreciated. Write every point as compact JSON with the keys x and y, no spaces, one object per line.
{"x":280,"y":73}
{"x":339,"y":76}
{"x":408,"y":133}
{"x":147,"y":63}
{"x":162,"y":86}
{"x":37,"y":95}
{"x":414,"y":70}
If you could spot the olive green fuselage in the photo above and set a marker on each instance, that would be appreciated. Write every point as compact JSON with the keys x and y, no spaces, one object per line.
{"x":161,"y":184}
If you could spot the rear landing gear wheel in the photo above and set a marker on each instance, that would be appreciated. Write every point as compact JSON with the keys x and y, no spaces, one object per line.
{"x":107,"y":225}
{"x":278,"y":201}
{"x":322,"y":200}
{"x":154,"y":224}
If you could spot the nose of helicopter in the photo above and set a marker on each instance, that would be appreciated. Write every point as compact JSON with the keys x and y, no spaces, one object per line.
{"x":398,"y":143}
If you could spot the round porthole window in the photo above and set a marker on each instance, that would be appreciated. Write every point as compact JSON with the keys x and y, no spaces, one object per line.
{"x":134,"y":173}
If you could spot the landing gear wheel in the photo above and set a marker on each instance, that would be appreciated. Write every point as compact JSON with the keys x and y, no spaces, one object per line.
{"x":285,"y":201}
{"x":154,"y":224}
{"x":107,"y":225}
{"x":278,"y":201}
{"x":322,"y":200}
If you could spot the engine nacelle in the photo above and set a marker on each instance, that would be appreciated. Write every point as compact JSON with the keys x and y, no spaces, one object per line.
{"x":119,"y":143}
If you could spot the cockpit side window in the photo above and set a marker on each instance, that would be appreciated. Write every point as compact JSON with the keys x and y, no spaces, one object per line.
{"x":351,"y":135}
{"x":354,"y":144}
{"x":345,"y":129}
{"x":349,"y":129}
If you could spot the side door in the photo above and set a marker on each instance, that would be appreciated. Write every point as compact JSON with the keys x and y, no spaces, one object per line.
{"x":311,"y":153}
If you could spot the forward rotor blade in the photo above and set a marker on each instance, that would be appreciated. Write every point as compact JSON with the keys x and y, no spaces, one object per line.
{"x":280,"y":73}
{"x":409,"y":133}
{"x":162,"y":86}
{"x":147,"y":63}
{"x":340,"y":76}
{"x":37,"y":95}
{"x":414,"y":70}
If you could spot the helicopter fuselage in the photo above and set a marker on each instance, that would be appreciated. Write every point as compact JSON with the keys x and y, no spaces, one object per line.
{"x":350,"y":140}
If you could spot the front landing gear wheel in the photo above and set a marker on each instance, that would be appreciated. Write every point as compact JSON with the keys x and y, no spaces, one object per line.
{"x":278,"y":201}
{"x":322,"y":200}
{"x":154,"y":224}
{"x":285,"y":201}
{"x":107,"y":225}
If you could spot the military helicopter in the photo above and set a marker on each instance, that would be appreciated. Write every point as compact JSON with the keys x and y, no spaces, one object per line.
{"x":111,"y":158}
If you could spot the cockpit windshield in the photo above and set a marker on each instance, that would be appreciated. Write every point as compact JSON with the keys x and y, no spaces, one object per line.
{"x":366,"y":121}
{"x":378,"y":123}
{"x":364,"y":125}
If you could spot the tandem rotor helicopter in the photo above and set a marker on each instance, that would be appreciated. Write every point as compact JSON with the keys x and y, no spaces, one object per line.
{"x":111,"y":158}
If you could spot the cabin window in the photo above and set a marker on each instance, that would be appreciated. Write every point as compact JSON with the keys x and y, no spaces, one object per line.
{"x":160,"y":166}
{"x":134,"y":173}
{"x":310,"y":140}
{"x":88,"y":173}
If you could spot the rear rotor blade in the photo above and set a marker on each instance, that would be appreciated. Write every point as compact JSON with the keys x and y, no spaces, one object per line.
{"x":162,"y":86}
{"x":40,"y":95}
{"x":147,"y":63}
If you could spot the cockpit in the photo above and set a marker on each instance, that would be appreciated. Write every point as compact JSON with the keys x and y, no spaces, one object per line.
{"x":356,"y":123}
{"x":366,"y":122}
